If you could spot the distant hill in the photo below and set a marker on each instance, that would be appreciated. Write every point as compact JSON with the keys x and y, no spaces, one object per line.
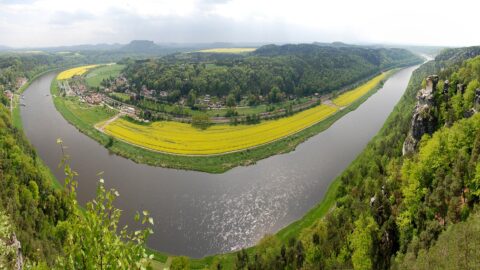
{"x":141,"y":46}
{"x":4,"y":48}
{"x":84,"y":47}
{"x":321,"y":56}
{"x":455,"y":55}
{"x":334,"y":44}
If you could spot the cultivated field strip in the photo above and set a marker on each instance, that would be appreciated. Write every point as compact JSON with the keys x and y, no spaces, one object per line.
{"x":183,"y":139}
{"x":349,"y":97}
{"x":78,"y":71}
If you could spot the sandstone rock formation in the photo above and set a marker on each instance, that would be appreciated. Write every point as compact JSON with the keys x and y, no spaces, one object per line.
{"x":423,"y":120}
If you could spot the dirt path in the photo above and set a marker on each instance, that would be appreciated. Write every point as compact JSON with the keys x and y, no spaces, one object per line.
{"x":100,"y":126}
{"x":330,"y":103}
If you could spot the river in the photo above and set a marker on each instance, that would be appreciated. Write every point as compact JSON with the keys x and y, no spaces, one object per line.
{"x":198,"y":214}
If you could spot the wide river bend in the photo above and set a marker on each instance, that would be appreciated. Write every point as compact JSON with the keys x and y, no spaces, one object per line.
{"x":198,"y":214}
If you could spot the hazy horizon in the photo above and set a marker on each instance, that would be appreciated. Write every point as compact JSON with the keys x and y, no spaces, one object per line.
{"x":53,"y":23}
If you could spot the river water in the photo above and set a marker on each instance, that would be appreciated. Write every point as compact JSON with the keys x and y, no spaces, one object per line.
{"x":198,"y":214}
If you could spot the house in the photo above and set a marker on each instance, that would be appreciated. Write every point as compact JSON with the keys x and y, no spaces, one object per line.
{"x":128,"y":110}
{"x":163,"y":94}
{"x":94,"y":98}
{"x":206,"y":99}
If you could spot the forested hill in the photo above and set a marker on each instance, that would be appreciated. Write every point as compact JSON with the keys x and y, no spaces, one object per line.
{"x":298,"y":70}
{"x":316,"y":55}
{"x":396,"y":210}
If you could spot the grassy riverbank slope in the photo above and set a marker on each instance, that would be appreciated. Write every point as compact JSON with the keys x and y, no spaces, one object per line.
{"x":84,"y":117}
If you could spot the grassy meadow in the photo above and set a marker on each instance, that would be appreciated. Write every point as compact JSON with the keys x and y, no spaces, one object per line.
{"x":95,"y":76}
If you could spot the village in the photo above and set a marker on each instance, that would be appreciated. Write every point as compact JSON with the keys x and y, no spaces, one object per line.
{"x":151,"y":104}
{"x":12,"y":93}
{"x":76,"y":87}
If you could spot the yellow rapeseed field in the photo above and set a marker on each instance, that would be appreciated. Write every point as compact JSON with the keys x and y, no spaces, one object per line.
{"x":347,"y":98}
{"x":181,"y":138}
{"x":228,"y":50}
{"x":67,"y":74}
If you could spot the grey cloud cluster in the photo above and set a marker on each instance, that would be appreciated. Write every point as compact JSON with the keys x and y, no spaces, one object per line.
{"x":30,"y":23}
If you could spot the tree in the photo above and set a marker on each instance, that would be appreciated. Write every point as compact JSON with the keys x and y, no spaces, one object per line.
{"x":174,"y":96}
{"x":455,"y":248}
{"x":469,"y":95}
{"x":231,"y":101}
{"x":252,"y":100}
{"x":274,"y":95}
{"x":192,"y":98}
{"x":93,"y":240}
{"x":241,"y":261}
{"x":201,"y":121}
{"x":361,"y":241}
{"x":180,"y":263}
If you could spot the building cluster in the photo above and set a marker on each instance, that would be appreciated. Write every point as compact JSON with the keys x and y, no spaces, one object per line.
{"x":77,"y":88}
{"x":93,"y":98}
{"x":119,"y":84}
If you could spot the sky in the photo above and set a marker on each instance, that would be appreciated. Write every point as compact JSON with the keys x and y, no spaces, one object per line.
{"x":45,"y":23}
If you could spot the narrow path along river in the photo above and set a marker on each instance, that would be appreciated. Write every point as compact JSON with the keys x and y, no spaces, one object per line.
{"x":198,"y":214}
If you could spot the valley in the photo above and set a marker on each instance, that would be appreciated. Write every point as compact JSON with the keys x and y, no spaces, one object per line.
{"x":218,"y":135}
{"x":280,"y":180}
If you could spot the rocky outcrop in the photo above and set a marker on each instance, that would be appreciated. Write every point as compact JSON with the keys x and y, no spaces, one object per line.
{"x":423,"y":119}
{"x":18,"y":248}
{"x":476,"y":104}
{"x":10,"y":253}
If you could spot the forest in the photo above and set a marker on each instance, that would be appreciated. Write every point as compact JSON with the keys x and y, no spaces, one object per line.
{"x":398,"y":212}
{"x":270,"y":71}
{"x":17,"y":64}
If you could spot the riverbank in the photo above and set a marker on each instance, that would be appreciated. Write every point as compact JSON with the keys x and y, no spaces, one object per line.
{"x":400,"y":114}
{"x":85,"y":122}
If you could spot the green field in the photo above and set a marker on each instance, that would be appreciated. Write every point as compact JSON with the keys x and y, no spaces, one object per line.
{"x":95,"y":76}
{"x":120,"y":96}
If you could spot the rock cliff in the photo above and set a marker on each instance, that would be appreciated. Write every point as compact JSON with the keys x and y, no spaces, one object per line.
{"x":423,"y":120}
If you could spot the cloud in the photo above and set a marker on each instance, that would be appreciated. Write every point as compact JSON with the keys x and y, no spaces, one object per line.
{"x":56,"y":22}
{"x":68,"y":18}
